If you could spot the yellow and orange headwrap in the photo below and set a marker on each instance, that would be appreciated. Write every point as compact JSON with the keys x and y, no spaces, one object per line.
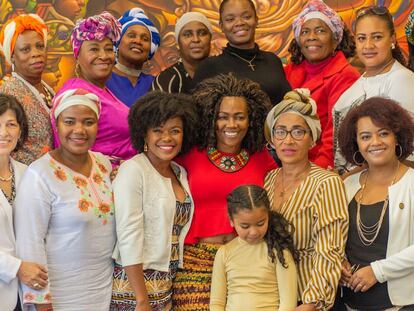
{"x":13,"y":28}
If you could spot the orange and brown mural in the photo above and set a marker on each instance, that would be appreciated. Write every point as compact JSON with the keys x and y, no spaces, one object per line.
{"x":273,"y":34}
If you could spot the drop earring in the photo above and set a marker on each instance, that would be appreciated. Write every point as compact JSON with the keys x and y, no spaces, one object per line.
{"x":145,"y":147}
{"x":392,"y":46}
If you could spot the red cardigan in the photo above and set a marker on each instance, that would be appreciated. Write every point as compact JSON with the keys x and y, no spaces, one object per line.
{"x":210,"y":186}
{"x":334,"y":79}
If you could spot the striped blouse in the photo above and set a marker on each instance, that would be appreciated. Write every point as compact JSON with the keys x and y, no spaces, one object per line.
{"x":318,"y":210}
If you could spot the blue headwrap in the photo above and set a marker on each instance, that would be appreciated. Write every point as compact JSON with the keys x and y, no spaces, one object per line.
{"x":136,"y":16}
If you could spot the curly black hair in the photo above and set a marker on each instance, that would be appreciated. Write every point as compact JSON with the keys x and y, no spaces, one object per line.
{"x":208,"y":96}
{"x":10,"y":102}
{"x":347,"y":46}
{"x":279,"y":235}
{"x":154,"y":109}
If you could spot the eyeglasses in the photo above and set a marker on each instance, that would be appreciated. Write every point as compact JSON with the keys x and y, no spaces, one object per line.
{"x":296,"y":134}
{"x":373,"y":9}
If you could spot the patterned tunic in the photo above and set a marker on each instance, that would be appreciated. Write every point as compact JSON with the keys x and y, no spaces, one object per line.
{"x":318,"y":210}
{"x":158,"y":283}
{"x":40,"y":139}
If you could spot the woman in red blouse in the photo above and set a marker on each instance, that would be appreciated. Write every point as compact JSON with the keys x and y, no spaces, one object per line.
{"x":230,"y":153}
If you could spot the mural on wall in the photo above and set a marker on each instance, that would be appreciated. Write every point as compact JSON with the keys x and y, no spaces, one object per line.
{"x":273,"y":34}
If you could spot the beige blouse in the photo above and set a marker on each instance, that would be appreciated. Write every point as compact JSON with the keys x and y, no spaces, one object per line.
{"x":244,"y":278}
{"x":318,"y":210}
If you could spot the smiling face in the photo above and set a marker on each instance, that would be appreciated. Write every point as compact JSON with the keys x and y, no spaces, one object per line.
{"x":164,"y":142}
{"x":29,"y":55}
{"x":232,"y":124}
{"x":316,"y":40}
{"x":238,"y":22}
{"x":376,"y":143}
{"x":251,"y":225}
{"x":96,"y":60}
{"x":289,"y":150}
{"x":194,"y":42}
{"x":77,"y":127}
{"x":9,"y":132}
{"x":135,"y":46}
{"x":373,"y":42}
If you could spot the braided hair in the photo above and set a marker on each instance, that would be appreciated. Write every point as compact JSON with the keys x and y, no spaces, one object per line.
{"x":279,"y":235}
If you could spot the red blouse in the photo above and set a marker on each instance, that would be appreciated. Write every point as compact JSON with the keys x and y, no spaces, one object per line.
{"x":210,"y":186}
{"x":326,"y":82}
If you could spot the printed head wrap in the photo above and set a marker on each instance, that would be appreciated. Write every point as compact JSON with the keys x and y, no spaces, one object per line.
{"x":191,"y":17}
{"x":136,"y":16}
{"x":318,"y":9}
{"x":297,"y":101}
{"x":409,"y":28}
{"x":97,"y":27}
{"x":75,"y":97}
{"x":14,"y":27}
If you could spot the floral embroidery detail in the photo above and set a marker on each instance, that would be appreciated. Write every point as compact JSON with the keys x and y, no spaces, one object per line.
{"x":95,"y":191}
{"x":33,"y":297}
{"x":97,"y":178}
{"x":102,"y":168}
{"x":84,"y":205}
{"x":79,"y":181}
{"x":60,"y":174}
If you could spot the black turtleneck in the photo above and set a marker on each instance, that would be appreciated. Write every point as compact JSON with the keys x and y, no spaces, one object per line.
{"x":268,"y":69}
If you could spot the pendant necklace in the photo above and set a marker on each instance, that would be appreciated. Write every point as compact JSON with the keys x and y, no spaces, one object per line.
{"x":246,"y":60}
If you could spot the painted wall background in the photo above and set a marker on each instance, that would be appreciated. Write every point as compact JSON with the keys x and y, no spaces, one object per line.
{"x":273,"y":34}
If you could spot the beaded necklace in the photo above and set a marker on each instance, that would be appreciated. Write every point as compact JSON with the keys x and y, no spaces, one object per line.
{"x":228,"y":162}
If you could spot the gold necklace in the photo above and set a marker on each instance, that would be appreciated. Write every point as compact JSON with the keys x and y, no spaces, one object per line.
{"x":246,"y":60}
{"x":363,"y":230}
{"x":7,"y":178}
{"x":381,"y":69}
{"x":299,"y":177}
{"x":46,"y":96}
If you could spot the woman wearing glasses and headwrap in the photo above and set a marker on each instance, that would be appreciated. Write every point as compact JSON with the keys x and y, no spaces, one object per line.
{"x":138,"y":43}
{"x":385,"y":72}
{"x":309,"y":197}
{"x":92,"y":40}
{"x":23,"y":44}
{"x":319,"y":52}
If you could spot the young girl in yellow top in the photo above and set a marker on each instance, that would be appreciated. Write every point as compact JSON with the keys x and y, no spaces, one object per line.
{"x":246,"y":274}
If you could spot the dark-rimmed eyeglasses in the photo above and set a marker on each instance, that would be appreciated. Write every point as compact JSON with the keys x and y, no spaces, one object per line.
{"x":373,"y":10}
{"x":296,"y":134}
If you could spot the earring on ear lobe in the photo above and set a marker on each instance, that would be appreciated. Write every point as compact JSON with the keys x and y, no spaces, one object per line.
{"x":392,"y":46}
{"x":145,"y":147}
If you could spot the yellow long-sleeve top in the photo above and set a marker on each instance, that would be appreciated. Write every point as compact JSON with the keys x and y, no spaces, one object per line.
{"x":244,"y":278}
{"x":318,"y":210}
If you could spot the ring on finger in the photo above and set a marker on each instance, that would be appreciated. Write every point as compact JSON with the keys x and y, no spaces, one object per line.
{"x":36,"y":285}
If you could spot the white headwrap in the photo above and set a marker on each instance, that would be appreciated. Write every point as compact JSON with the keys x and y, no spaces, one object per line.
{"x":75,"y":97}
{"x":191,"y":17}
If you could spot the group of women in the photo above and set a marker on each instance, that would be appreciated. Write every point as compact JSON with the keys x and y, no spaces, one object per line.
{"x":123,"y":205}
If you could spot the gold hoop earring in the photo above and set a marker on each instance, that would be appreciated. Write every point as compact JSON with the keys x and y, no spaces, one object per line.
{"x":400,"y":149}
{"x":354,"y":156}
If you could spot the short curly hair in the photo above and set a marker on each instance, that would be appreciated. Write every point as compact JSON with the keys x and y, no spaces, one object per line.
{"x":347,"y":46}
{"x":383,"y":112}
{"x":10,"y":102}
{"x":154,"y":109}
{"x":208,"y":96}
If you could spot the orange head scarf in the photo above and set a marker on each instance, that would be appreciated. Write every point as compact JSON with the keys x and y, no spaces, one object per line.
{"x":13,"y":28}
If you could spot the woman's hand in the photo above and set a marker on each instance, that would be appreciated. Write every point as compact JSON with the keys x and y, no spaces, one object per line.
{"x":33,"y":275}
{"x":47,"y":307}
{"x":363,"y":279}
{"x":346,"y":273}
{"x":306,"y":307}
{"x":143,"y":305}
